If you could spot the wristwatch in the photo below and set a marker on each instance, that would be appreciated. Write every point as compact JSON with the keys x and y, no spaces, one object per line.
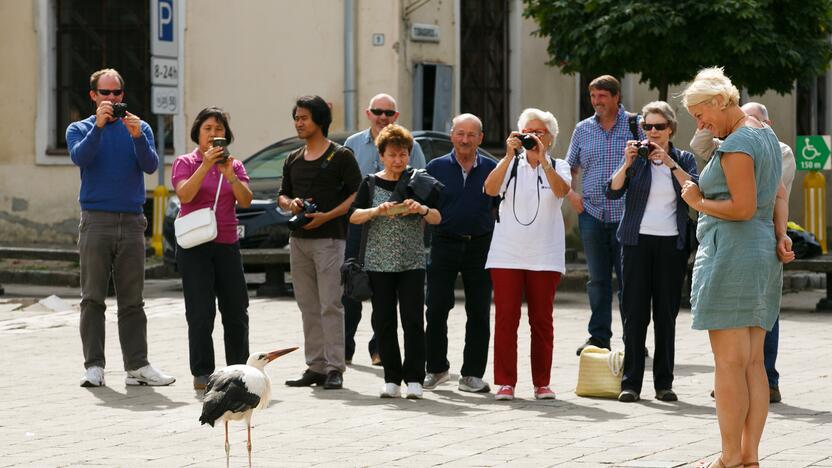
{"x":675,"y":166}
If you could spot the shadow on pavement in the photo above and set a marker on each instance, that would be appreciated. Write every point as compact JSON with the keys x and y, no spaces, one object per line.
{"x":135,"y":399}
{"x":687,"y":370}
{"x":809,"y":415}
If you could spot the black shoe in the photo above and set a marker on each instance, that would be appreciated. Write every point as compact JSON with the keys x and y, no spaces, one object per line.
{"x":592,"y":341}
{"x":308,"y":379}
{"x":666,"y":395}
{"x":334,"y":380}
{"x":628,"y":396}
{"x":774,"y":395}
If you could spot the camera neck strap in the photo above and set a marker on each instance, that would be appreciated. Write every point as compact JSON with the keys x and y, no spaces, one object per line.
{"x":371,"y":186}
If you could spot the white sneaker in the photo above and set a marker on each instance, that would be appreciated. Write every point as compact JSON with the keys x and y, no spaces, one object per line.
{"x":93,"y":377}
{"x":434,"y":380}
{"x":390,"y":390}
{"x":147,"y":375}
{"x":414,"y":390}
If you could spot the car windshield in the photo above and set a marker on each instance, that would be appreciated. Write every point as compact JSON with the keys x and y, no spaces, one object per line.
{"x":268,"y":163}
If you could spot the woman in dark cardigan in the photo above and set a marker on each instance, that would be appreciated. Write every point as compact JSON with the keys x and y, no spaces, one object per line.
{"x":654,"y":247}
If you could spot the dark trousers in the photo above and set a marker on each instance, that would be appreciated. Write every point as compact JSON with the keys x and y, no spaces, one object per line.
{"x":407,"y":289}
{"x":352,"y":309}
{"x":113,"y":243}
{"x":210,"y":272}
{"x":770,"y":354}
{"x":653,"y":272}
{"x":448,"y":258}
{"x":603,"y":255}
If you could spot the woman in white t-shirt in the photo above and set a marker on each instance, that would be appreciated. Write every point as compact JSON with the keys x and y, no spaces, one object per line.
{"x":654,"y":247}
{"x":526,"y":257}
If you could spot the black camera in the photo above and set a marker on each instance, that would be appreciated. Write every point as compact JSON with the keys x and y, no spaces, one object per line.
{"x":300,"y":220}
{"x":644,"y":148}
{"x":219,"y":141}
{"x":119,"y":110}
{"x":527,"y":141}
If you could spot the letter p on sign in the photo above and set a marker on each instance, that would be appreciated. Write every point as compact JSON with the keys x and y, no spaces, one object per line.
{"x":165,"y":15}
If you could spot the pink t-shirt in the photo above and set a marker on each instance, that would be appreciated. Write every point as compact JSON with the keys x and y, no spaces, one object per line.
{"x":184,"y":167}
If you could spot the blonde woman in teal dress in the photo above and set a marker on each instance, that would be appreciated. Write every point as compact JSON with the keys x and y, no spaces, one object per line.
{"x":738,"y":274}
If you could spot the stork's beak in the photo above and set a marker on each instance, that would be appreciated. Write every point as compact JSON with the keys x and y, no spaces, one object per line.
{"x":280,"y":352}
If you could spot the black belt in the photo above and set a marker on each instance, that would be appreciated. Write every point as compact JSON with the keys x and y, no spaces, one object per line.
{"x":460,"y":237}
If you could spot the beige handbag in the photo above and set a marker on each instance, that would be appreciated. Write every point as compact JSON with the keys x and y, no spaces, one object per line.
{"x":599,"y":373}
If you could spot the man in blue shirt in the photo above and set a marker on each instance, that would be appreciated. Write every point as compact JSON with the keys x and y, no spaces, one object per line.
{"x":113,"y":151}
{"x":460,"y":244}
{"x":381,"y":112}
{"x":597,"y":150}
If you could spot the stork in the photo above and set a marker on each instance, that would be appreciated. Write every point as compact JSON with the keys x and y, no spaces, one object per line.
{"x":234,"y":392}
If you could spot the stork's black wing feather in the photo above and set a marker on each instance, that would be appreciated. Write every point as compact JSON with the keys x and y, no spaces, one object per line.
{"x":226,"y":391}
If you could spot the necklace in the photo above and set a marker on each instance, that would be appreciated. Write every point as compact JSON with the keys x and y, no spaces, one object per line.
{"x":734,"y":125}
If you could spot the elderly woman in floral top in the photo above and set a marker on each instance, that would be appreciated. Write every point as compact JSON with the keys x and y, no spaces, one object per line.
{"x":395,"y":262}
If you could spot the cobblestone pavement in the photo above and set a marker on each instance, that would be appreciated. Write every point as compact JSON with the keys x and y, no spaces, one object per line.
{"x":46,"y":419}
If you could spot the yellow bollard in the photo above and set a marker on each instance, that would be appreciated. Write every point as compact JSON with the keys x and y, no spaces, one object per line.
{"x":814,"y":206}
{"x":160,"y":196}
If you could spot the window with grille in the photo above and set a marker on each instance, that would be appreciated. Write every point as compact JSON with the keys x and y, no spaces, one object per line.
{"x":96,"y":34}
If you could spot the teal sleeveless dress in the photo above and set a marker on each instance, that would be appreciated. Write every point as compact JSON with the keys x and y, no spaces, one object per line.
{"x":737,"y":277}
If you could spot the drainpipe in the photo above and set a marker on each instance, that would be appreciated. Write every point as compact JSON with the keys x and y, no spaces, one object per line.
{"x":349,"y":66}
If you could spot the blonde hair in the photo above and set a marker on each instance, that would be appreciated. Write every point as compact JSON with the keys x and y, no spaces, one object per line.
{"x":708,"y":84}
{"x":547,"y":118}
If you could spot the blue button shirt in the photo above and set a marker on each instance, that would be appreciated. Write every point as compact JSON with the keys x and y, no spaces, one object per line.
{"x":599,"y":153}
{"x":366,"y":153}
{"x":465,"y":208}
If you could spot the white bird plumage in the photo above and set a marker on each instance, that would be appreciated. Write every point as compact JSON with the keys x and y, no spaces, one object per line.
{"x":234,"y":392}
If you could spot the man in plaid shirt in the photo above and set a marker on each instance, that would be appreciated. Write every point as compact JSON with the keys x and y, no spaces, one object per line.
{"x":596,"y":151}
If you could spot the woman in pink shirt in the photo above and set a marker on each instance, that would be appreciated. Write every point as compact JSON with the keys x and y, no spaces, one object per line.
{"x":213,"y":270}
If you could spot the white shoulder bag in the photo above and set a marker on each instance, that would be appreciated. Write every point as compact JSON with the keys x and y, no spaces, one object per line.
{"x":197,"y":227}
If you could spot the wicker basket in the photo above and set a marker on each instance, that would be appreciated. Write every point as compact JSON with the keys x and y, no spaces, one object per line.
{"x":599,"y":373}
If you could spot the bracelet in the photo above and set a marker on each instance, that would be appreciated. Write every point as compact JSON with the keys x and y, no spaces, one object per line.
{"x":426,"y":212}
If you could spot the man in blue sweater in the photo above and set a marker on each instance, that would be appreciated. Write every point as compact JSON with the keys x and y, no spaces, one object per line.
{"x":113,"y":152}
{"x":460,"y":244}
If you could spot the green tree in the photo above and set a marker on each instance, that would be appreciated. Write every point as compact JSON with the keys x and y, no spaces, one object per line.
{"x":763,"y":44}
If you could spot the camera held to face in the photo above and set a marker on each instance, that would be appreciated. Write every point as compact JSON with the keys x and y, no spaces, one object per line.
{"x":527,"y":141}
{"x":119,"y":110}
{"x":300,"y":220}
{"x":644,"y":148}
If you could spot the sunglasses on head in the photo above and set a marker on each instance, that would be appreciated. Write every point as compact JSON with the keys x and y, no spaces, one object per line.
{"x":106,"y":92}
{"x":387,"y":112}
{"x":659,"y":127}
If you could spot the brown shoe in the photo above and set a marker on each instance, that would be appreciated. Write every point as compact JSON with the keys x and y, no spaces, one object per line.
{"x":376,"y":358}
{"x":774,"y":395}
{"x":200,"y":382}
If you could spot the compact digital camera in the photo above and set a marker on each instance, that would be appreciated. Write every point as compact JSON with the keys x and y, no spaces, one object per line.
{"x":527,"y":141}
{"x":119,"y":110}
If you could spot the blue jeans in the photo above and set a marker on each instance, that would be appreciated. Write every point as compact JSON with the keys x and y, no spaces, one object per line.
{"x":603,"y":254}
{"x":770,"y":354}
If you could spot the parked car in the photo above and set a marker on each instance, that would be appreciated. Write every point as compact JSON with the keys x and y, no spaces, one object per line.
{"x":263,"y":225}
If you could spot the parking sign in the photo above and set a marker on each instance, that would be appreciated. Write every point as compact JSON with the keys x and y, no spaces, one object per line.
{"x":164,"y":40}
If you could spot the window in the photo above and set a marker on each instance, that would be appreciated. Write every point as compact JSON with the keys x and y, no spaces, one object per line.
{"x":95,"y":34}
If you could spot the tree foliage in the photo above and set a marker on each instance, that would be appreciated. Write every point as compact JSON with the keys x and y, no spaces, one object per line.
{"x":763,"y":44}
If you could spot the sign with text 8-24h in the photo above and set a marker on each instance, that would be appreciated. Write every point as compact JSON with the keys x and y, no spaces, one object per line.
{"x":812,"y":153}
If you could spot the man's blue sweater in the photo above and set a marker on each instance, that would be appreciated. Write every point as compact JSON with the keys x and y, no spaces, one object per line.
{"x":111,"y":163}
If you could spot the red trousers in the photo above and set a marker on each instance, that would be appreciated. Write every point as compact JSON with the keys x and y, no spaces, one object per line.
{"x":509,"y":288}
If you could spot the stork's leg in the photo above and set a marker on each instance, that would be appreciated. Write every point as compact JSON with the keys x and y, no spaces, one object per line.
{"x":227,"y":447}
{"x":248,"y":426}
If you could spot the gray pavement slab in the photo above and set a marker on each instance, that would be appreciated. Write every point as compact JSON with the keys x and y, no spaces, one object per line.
{"x":46,"y":419}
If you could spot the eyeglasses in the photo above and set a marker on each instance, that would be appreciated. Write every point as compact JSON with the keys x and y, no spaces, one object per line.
{"x":537,"y":133}
{"x":106,"y":92}
{"x":387,"y":112}
{"x":659,"y":127}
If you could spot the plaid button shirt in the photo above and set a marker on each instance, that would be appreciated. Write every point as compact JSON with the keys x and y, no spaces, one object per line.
{"x":599,"y":153}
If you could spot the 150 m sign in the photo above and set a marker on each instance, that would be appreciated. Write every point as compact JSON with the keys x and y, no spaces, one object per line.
{"x":812,"y":153}
{"x":164,"y":71}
